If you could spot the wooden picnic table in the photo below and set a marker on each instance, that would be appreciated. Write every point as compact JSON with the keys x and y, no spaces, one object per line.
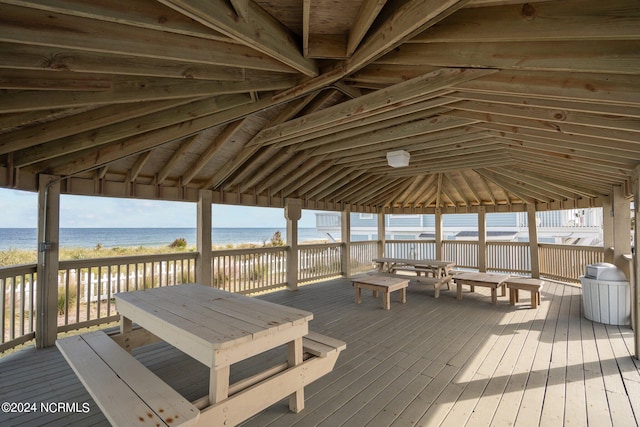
{"x":218,"y":329}
{"x":488,"y":280}
{"x":437,"y":268}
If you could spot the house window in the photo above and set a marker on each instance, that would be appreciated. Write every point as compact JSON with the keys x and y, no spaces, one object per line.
{"x":366,"y":216}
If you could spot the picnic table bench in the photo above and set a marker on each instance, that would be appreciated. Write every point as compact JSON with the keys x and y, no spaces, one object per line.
{"x":218,"y":329}
{"x":489,"y":280}
{"x":436,"y":273}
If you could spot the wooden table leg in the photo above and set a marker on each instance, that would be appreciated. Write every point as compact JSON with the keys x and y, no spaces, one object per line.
{"x":458,"y":290}
{"x":358,"y":294}
{"x":494,"y":296}
{"x":386,"y":300}
{"x":512,"y":296}
{"x":219,"y":384}
{"x":296,"y":400}
{"x":403,"y":295}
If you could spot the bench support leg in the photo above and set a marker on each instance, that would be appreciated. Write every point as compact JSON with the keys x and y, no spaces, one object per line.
{"x":358,"y":294}
{"x":296,"y":400}
{"x":386,"y":300}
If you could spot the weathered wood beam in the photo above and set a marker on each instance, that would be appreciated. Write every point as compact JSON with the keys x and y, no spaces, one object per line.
{"x":177,"y":155}
{"x":135,"y":170}
{"x":410,"y":189}
{"x":548,"y":186}
{"x":93,"y":157}
{"x":249,"y":166}
{"x":76,"y":124}
{"x":527,"y":187}
{"x":555,"y":125}
{"x":613,"y":89}
{"x":373,"y":122}
{"x":357,"y":181}
{"x":437,"y":142}
{"x":614,"y":57}
{"x":256,"y":28}
{"x":595,"y":108}
{"x":451,"y":186}
{"x":109,"y":133}
{"x":291,"y":110}
{"x":471,"y":187}
{"x":127,"y":90}
{"x":29,"y":26}
{"x":578,"y":142}
{"x":401,"y":132}
{"x":369,"y":10}
{"x":147,"y":14}
{"x":426,"y":186}
{"x":227,"y":133}
{"x":31,"y":57}
{"x":383,"y":100}
{"x":297,"y":174}
{"x":550,"y":20}
{"x":406,"y":19}
{"x":293,"y":164}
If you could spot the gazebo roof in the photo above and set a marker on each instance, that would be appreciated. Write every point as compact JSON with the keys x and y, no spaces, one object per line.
{"x":499,"y":103}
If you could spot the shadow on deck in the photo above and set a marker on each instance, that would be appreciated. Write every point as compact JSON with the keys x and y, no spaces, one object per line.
{"x":427,"y":362}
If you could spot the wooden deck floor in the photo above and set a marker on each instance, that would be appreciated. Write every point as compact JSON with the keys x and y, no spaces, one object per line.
{"x":436,"y":362}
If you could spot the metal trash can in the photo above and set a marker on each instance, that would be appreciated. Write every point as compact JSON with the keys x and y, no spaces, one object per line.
{"x":606,"y":294}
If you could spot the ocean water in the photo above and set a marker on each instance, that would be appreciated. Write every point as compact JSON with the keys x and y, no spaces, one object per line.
{"x":26,"y":238}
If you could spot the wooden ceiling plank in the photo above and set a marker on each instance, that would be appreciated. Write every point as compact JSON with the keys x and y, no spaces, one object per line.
{"x":182,"y":149}
{"x":411,"y":188}
{"x":33,"y":27}
{"x":377,"y":198}
{"x":297,"y":174}
{"x":309,"y":182}
{"x":144,"y":14}
{"x":306,"y":20}
{"x":357,"y":182}
{"x":329,"y":186}
{"x":543,"y":183}
{"x":530,"y":187}
{"x":436,"y":142}
{"x":370,"y":123}
{"x":561,"y":116}
{"x":419,"y":194}
{"x":389,"y":98}
{"x":613,"y":89}
{"x":555,"y":126}
{"x":135,"y":90}
{"x":569,"y":151}
{"x":549,"y":104}
{"x":120,"y":149}
{"x":48,"y":130}
{"x":454,"y":189}
{"x":295,"y":163}
{"x":138,"y":165}
{"x":106,"y":134}
{"x":551,"y":20}
{"x":390,"y":201}
{"x":227,"y":133}
{"x":29,"y":57}
{"x":578,"y":142}
{"x":471,"y":187}
{"x":256,"y":29}
{"x":406,"y":19}
{"x":509,"y":187}
{"x":369,"y":10}
{"x":399,"y":132}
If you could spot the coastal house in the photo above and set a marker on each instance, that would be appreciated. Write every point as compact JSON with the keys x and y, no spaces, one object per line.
{"x":384,"y":109}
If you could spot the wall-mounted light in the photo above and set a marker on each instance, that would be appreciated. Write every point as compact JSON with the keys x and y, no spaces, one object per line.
{"x":398,"y":159}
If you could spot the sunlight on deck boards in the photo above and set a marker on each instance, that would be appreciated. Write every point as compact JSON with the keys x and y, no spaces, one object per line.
{"x":427,"y":362}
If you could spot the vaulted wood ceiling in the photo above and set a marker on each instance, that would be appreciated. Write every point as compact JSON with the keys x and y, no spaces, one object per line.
{"x":499,"y":103}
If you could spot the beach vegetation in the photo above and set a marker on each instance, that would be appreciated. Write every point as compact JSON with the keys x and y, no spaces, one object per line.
{"x":179,"y":243}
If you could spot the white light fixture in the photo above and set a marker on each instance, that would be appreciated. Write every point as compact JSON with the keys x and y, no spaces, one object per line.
{"x":398,"y":159}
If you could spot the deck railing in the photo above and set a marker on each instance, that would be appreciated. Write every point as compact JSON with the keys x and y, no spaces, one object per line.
{"x":362,"y":254}
{"x":411,"y":249}
{"x":319,"y":261}
{"x":86,"y":287}
{"x":17,"y":305}
{"x":567,"y":262}
{"x":247,"y":271}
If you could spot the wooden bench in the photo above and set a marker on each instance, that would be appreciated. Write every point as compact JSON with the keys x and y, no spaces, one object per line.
{"x":436,"y":282}
{"x":125,"y":390}
{"x":385,"y":283}
{"x":321,"y":345}
{"x":515,"y":284}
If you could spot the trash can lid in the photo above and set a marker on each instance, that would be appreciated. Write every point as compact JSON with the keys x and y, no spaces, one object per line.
{"x":605,"y":271}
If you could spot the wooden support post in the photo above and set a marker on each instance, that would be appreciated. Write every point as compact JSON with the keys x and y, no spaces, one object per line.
{"x":533,"y":241}
{"x":621,"y":229}
{"x":292,"y":213}
{"x":345,"y":259}
{"x":204,"y":274}
{"x":635,"y":276}
{"x":382,"y":234}
{"x":482,"y":239}
{"x":607,"y":230}
{"x":48,"y":257}
{"x":439,"y":234}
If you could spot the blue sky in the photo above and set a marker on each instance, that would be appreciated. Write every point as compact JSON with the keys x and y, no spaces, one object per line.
{"x":18,"y":209}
